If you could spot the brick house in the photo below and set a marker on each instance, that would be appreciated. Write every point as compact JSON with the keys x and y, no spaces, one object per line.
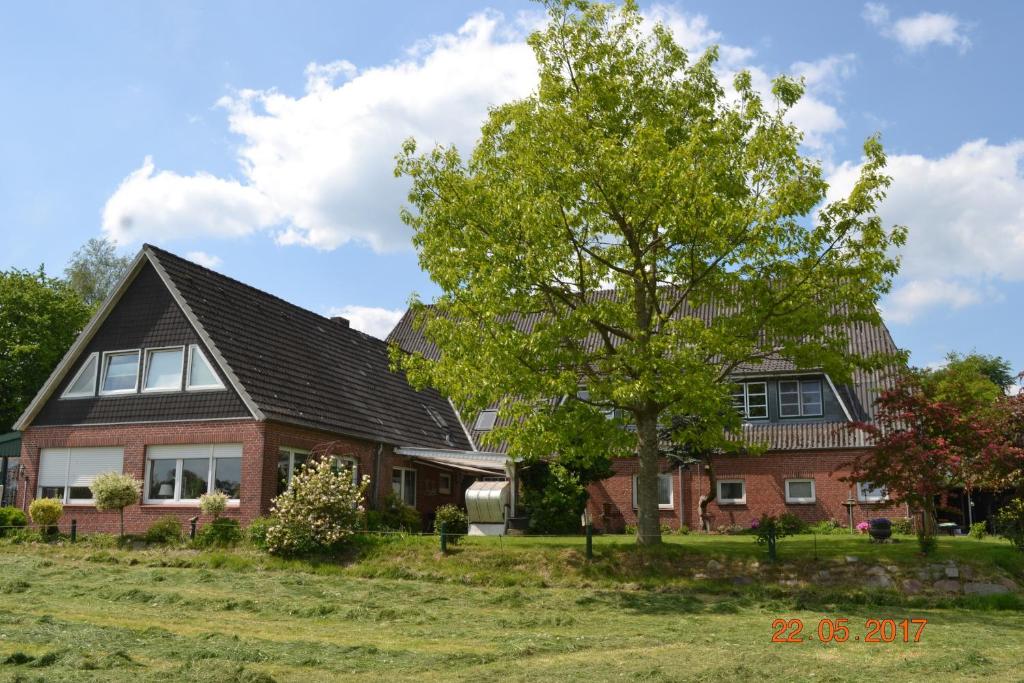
{"x":799,"y":416}
{"x":194,"y":382}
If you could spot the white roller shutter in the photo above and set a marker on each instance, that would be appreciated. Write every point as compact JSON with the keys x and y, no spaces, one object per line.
{"x":183,"y":451}
{"x":227,"y":450}
{"x":53,"y":466}
{"x":88,"y":463}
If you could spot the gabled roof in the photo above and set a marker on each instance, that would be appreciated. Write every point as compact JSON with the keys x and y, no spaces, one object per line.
{"x":289,"y":364}
{"x":857,"y":398}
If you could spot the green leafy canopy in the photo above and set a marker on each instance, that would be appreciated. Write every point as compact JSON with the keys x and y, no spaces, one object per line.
{"x":597,"y":221}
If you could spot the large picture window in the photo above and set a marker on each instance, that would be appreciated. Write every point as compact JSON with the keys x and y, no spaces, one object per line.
{"x":751,"y":400}
{"x":163,"y":369}
{"x":67,"y":473}
{"x":664,"y":491}
{"x":403,"y":485}
{"x":800,"y":398}
{"x":120,"y":372}
{"x":183,"y":473}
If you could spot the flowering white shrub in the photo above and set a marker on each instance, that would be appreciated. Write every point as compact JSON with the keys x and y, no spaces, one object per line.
{"x":213,"y":504}
{"x":321,"y":508}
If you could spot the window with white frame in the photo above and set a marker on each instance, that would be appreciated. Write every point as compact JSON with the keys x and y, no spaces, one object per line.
{"x":800,"y":398}
{"x":289,"y":461}
{"x":200,"y":373}
{"x":403,"y":485}
{"x":485,"y":420}
{"x":869,"y":493}
{"x":800,"y":491}
{"x":120,"y":372}
{"x":751,"y":400}
{"x":340,"y":462}
{"x":67,"y":473}
{"x":444,"y":483}
{"x":84,"y":382}
{"x":664,"y":491}
{"x":731,"y":492}
{"x":609,"y":412}
{"x":183,"y":473}
{"x":163,"y":369}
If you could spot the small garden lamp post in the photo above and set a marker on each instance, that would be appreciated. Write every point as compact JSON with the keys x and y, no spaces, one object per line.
{"x":589,"y":528}
{"x":849,"y":503}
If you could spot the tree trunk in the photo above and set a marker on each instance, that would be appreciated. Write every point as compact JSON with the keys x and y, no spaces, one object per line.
{"x":648,"y":521}
{"x":705,"y":498}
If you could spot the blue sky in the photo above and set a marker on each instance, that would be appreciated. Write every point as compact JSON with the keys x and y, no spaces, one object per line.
{"x":260,"y":137}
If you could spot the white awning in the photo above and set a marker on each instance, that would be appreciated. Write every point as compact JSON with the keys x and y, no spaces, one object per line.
{"x":475,"y":462}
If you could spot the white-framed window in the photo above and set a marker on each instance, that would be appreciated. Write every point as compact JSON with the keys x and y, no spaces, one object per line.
{"x":800,"y":491}
{"x":609,"y":413}
{"x":289,"y":461}
{"x":731,"y":492}
{"x":751,"y":400}
{"x":870,"y":493}
{"x":485,"y":420}
{"x":120,"y":372}
{"x":800,"y":398}
{"x":348,"y":462}
{"x":67,"y":473}
{"x":444,"y":483}
{"x":163,"y":369}
{"x":84,"y":383}
{"x":403,"y":485}
{"x":180,"y":474}
{"x":665,"y":490}
{"x":200,"y":374}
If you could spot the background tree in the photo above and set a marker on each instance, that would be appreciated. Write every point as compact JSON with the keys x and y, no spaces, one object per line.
{"x":94,"y":270}
{"x":40,"y":317}
{"x":631,"y":169}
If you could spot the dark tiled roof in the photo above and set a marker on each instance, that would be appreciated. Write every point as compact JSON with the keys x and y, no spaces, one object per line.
{"x":303,"y":368}
{"x":859,"y":395}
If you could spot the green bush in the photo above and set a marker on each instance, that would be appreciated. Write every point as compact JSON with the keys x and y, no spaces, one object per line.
{"x":394,"y":515}
{"x":903,"y":525}
{"x":321,"y":509}
{"x":115,"y":491}
{"x":46,"y":512}
{"x":256,"y":532}
{"x":630,"y":530}
{"x":165,"y":531}
{"x":11,"y":519}
{"x":827,"y":528}
{"x":979,"y":530}
{"x":791,"y":524}
{"x":220,"y":533}
{"x":1010,"y":522}
{"x":455,"y":522}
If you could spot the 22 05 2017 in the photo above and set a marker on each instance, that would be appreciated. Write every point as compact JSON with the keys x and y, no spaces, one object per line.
{"x":839,"y":631}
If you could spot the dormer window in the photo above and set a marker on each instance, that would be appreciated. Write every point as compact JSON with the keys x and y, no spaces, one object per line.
{"x":164,"y":369}
{"x":120,"y":372}
{"x":485,"y":420}
{"x":751,"y":400}
{"x":200,"y":372}
{"x":84,"y":383}
{"x":800,"y":398}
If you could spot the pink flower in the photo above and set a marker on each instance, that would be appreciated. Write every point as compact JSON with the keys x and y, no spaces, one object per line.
{"x":863,"y":527}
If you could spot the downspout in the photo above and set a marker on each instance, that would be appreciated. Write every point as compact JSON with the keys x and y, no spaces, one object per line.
{"x":682,"y":500}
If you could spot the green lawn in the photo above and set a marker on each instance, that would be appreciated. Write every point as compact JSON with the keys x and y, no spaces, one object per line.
{"x":515,"y":610}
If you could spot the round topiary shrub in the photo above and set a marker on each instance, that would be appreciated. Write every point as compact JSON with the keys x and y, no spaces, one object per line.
{"x":213,"y":504}
{"x":46,"y":512}
{"x":455,"y":522}
{"x":165,"y":531}
{"x":115,"y":491}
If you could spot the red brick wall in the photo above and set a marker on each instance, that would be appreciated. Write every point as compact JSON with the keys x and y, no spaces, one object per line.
{"x":764,"y":482}
{"x":260,"y":443}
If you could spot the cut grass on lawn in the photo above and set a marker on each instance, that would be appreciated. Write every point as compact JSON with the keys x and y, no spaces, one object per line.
{"x":516,"y":609}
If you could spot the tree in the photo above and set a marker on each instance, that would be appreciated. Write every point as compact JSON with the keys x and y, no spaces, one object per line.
{"x":39,"y":319}
{"x":924,"y":445}
{"x":95,"y":269}
{"x":599,"y":219}
{"x":115,"y":491}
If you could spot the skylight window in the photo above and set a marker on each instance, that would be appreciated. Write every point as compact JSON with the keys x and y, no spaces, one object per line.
{"x":200,"y":372}
{"x":84,"y":383}
{"x":120,"y":372}
{"x":164,"y":369}
{"x":485,"y":420}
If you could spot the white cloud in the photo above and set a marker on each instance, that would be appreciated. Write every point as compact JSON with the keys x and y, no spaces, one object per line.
{"x":371,"y":320}
{"x":965,"y":213}
{"x":206,"y":260}
{"x":316,"y":169}
{"x":918,"y":32}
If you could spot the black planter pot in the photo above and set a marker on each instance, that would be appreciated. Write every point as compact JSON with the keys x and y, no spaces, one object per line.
{"x":880,"y":529}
